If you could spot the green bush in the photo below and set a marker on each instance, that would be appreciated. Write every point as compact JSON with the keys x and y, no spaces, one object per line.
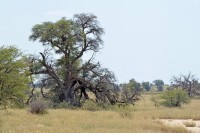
{"x":38,"y":107}
{"x":64,"y":105}
{"x":174,"y":98}
{"x":13,"y":77}
{"x":105,"y":106}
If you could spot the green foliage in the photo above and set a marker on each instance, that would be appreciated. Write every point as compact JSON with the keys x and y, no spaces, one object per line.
{"x":106,"y":106}
{"x":129,"y":90}
{"x":175,"y":98}
{"x":159,"y":83}
{"x":13,"y":77}
{"x":38,"y":107}
{"x":133,"y":84}
{"x":146,"y":86}
{"x":70,"y":39}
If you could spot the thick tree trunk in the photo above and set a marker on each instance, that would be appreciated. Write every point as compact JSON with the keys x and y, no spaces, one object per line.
{"x":69,"y":93}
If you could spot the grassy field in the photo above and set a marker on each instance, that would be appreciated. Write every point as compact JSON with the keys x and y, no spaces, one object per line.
{"x":142,"y":119}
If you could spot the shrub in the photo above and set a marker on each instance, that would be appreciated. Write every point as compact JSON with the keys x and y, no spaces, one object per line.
{"x":91,"y":106}
{"x":65,"y":105}
{"x":38,"y":107}
{"x":175,"y":98}
{"x":105,"y":106}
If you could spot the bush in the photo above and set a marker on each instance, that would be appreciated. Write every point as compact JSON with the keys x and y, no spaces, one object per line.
{"x":105,"y":106}
{"x":38,"y":107}
{"x":91,"y":106}
{"x":65,"y":105}
{"x":175,"y":98}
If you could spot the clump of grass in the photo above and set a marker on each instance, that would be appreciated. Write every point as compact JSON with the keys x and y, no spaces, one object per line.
{"x":38,"y":107}
{"x":189,"y":124}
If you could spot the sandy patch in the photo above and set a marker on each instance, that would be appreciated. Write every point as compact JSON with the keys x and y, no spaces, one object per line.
{"x":181,"y":122}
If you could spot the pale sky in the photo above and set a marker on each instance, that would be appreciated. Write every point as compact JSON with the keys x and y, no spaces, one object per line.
{"x":144,"y":39}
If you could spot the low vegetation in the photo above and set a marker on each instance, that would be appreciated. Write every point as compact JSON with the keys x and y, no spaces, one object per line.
{"x":174,"y":98}
{"x":38,"y":107}
{"x":83,"y":96}
{"x":142,"y":118}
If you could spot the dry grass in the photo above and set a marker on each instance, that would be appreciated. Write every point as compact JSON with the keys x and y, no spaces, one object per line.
{"x":142,"y":120}
{"x":189,"y":111}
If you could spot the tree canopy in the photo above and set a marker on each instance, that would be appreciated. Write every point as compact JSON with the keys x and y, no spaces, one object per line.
{"x":146,"y":86}
{"x":13,"y":77}
{"x":159,"y":83}
{"x":131,"y":91}
{"x":69,"y":75}
{"x":189,"y":83}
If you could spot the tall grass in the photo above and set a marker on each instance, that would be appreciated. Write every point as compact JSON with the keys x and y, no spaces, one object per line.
{"x":144,"y":119}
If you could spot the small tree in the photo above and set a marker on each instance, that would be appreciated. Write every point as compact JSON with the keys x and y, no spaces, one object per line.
{"x":175,"y":98}
{"x":13,"y":77}
{"x":131,"y":91}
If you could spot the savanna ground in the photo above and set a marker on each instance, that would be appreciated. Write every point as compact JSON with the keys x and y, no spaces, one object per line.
{"x":143,"y":118}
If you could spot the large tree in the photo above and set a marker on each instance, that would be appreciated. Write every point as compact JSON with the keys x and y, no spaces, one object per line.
{"x":13,"y":77}
{"x":69,"y":75}
{"x":188,"y":83}
{"x":159,"y":84}
{"x":146,"y":86}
